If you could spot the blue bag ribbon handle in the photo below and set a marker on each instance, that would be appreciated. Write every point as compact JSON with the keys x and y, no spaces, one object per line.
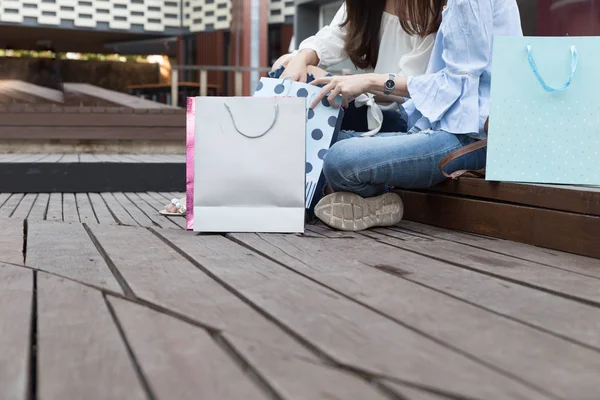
{"x":536,"y":71}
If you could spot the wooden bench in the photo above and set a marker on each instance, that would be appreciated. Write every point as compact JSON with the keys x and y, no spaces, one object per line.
{"x":55,"y":122}
{"x":80,"y":173}
{"x":161,"y":92}
{"x":558,"y":217}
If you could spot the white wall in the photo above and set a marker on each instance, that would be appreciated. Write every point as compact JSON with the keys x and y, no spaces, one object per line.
{"x":132,"y":15}
{"x":280,"y":10}
{"x":203,"y":15}
{"x":139,"y":16}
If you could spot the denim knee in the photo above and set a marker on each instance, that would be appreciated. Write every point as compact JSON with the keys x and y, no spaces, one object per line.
{"x":346,"y":170}
{"x":338,"y":165}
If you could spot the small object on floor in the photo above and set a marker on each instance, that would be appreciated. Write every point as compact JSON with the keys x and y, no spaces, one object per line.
{"x":350,"y":212}
{"x":175,"y":209}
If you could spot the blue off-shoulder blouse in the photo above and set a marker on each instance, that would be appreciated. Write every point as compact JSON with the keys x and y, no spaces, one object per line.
{"x":454,"y":93}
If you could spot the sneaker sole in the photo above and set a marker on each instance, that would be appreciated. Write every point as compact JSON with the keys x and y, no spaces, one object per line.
{"x":350,"y":212}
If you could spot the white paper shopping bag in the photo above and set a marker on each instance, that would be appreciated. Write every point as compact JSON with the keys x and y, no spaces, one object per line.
{"x":249,"y":165}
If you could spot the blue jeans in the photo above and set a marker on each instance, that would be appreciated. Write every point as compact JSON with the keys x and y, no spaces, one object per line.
{"x":367,"y":166}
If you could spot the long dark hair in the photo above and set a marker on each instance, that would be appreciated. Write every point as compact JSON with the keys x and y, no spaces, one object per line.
{"x":363,"y":25}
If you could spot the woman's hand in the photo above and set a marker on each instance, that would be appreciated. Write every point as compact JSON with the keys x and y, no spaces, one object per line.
{"x":296,"y":69}
{"x":297,"y":66}
{"x":349,"y":87}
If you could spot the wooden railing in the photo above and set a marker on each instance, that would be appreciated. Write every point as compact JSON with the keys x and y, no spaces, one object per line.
{"x":204,"y":69}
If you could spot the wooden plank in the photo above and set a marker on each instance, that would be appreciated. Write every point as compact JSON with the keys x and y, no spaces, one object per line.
{"x":570,"y":262}
{"x":114,"y":97}
{"x":14,"y":157}
{"x":190,"y":291}
{"x":139,"y":217}
{"x":85,"y":209}
{"x":88,"y":158}
{"x":558,"y":281}
{"x":67,"y":250}
{"x":16,"y":294}
{"x":55,"y":207}
{"x":101,"y":209}
{"x":48,"y":94}
{"x":574,"y":199}
{"x":24,"y":208}
{"x":121,"y":214}
{"x":416,"y":394}
{"x":295,"y":377}
{"x":179,"y":360}
{"x":30,"y":158}
{"x":40,"y":207}
{"x":573,"y":233}
{"x":157,"y":205}
{"x":350,"y":333}
{"x":98,"y":119}
{"x":115,"y":132}
{"x":166,"y":196}
{"x":144,"y":158}
{"x":170,"y":158}
{"x":4,"y":198}
{"x":193,"y":293}
{"x":70,"y":158}
{"x":518,"y":350}
{"x":51,"y":158}
{"x":110,"y":158}
{"x":17,"y":97}
{"x":124,"y":158}
{"x":148,"y":211}
{"x":69,"y":205}
{"x":529,"y":306}
{"x":10,"y":205}
{"x":178,"y":195}
{"x":80,"y":352}
{"x":162,"y":198}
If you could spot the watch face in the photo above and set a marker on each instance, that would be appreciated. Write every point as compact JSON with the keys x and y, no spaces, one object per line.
{"x":390,"y":84}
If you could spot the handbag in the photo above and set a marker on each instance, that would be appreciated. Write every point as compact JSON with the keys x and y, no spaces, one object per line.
{"x":470,"y":148}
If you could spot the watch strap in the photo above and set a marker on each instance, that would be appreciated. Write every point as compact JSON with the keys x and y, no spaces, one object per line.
{"x":390,"y":84}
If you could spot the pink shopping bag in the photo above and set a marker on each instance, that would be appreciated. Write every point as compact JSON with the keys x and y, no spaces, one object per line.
{"x":189,"y":161}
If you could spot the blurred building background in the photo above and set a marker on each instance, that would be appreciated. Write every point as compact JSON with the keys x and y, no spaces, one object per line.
{"x":205,"y":32}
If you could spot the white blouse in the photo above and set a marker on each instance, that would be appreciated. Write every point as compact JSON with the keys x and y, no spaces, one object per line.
{"x":399,"y":52}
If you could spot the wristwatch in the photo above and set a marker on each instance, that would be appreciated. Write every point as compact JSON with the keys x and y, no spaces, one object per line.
{"x":390,"y":85}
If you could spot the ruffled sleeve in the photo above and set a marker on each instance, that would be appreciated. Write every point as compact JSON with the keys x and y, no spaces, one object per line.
{"x":448,"y":95}
{"x":329,"y":42}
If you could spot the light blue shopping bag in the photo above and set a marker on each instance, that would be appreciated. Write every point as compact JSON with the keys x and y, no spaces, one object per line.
{"x":545,"y":111}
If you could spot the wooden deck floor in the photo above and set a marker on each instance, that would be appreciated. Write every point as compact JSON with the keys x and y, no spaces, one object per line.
{"x":100,"y":298}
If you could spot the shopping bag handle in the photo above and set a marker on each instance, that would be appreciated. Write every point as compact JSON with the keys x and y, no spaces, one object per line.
{"x":536,"y":71}
{"x":276,"y":116}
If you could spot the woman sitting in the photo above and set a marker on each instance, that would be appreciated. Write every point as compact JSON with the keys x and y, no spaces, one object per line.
{"x":448,"y":109}
{"x":372,"y":35}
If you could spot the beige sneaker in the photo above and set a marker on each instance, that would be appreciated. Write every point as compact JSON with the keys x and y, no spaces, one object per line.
{"x":350,"y":212}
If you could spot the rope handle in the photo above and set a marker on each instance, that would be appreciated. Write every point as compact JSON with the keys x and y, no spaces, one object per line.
{"x":259,"y":135}
{"x":538,"y":75}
